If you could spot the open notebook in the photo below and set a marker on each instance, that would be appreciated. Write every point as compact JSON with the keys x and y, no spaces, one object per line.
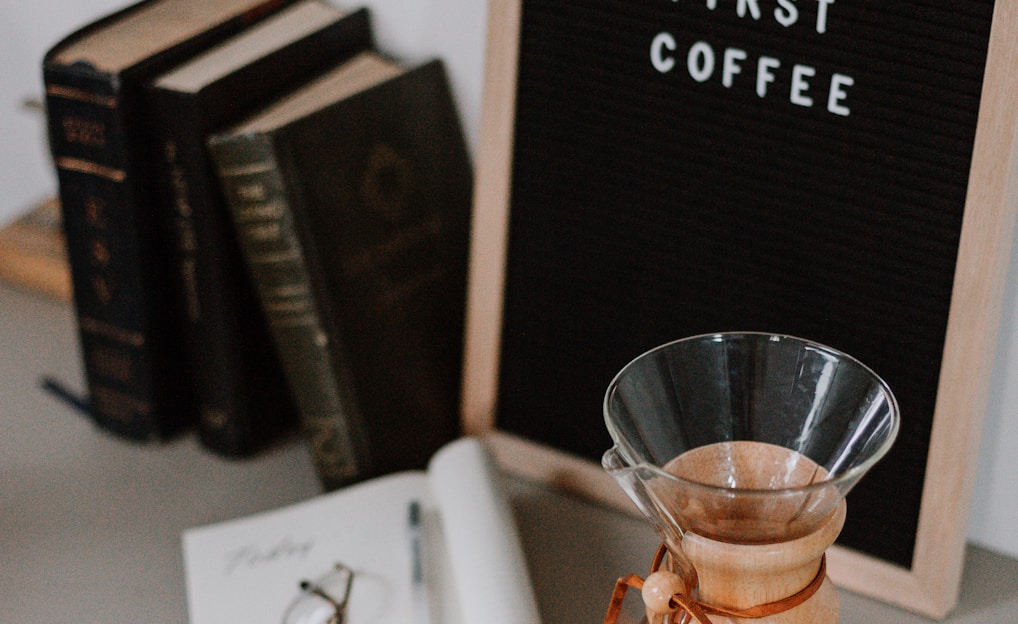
{"x":249,"y":570}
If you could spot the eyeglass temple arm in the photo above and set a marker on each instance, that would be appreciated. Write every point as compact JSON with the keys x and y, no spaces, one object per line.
{"x":338,"y":605}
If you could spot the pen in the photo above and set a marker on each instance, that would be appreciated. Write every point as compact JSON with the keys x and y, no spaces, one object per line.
{"x":419,"y":597}
{"x":60,"y":391}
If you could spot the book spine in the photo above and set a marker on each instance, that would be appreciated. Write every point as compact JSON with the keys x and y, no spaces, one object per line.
{"x":122,"y":281}
{"x":122,"y":311}
{"x":257,"y":200}
{"x":242,"y":400}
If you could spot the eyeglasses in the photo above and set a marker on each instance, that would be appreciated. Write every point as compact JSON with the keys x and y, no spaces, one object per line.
{"x":324,"y":600}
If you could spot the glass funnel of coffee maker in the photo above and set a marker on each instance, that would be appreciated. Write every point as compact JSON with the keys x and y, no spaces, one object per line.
{"x":744,"y":438}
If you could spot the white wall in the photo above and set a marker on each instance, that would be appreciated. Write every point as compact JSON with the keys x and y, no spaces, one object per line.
{"x":26,"y":30}
{"x":453,"y":30}
{"x":994,"y":521}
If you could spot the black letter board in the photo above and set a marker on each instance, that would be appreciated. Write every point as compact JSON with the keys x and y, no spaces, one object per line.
{"x":838,"y":171}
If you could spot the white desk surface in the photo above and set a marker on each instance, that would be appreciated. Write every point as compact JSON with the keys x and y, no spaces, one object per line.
{"x":90,"y":525}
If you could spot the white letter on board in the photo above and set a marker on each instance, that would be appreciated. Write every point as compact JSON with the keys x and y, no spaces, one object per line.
{"x":822,"y":15}
{"x":800,"y":85}
{"x":754,"y":8}
{"x":838,"y":95}
{"x":662,"y":63}
{"x":700,"y":61}
{"x":731,"y":65}
{"x":789,"y":15}
{"x":764,"y":75}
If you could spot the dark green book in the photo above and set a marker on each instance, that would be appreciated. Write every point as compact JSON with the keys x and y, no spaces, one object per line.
{"x":98,"y":129}
{"x":351,"y":198}
{"x":243,"y":402}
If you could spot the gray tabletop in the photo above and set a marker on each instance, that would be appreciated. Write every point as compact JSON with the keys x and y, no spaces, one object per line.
{"x":90,"y":525}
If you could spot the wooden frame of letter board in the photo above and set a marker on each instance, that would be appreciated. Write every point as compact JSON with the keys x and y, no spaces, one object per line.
{"x":931,"y":585}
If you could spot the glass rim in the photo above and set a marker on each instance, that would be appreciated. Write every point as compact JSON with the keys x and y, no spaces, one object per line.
{"x":849,"y":476}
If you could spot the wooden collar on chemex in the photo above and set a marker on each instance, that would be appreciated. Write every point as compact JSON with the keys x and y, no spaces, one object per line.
{"x":664,"y":598}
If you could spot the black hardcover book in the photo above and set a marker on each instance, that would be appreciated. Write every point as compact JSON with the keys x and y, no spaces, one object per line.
{"x":242,"y":398}
{"x":129,"y":326}
{"x":352,"y":202}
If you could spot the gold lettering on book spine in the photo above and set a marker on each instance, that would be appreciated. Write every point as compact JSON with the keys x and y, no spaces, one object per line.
{"x":100,"y":253}
{"x":83,"y":131}
{"x":263,"y":232}
{"x":102,"y":289}
{"x":80,"y":165}
{"x":81,"y":95}
{"x":112,"y":363}
{"x":95,"y":212}
{"x":184,"y":228}
{"x":118,"y":405}
{"x":111,"y":332}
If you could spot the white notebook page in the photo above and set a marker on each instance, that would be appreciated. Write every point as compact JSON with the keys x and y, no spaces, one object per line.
{"x":249,"y":569}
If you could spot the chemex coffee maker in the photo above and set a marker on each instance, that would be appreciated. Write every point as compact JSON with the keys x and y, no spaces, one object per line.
{"x":739,"y":448}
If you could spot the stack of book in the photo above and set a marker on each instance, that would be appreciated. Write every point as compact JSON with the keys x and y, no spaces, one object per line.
{"x":267,"y":223}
